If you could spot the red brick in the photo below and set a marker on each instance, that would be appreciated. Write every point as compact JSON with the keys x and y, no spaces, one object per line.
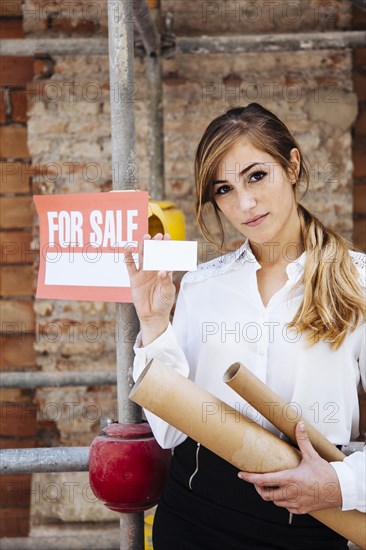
{"x":16,"y":395}
{"x":359,"y":163}
{"x":19,"y":316}
{"x":18,"y":443}
{"x":18,"y":419}
{"x":14,"y":522}
{"x":359,"y":84}
{"x":17,"y":351}
{"x":13,"y":142}
{"x":16,"y":212}
{"x":359,"y":198}
{"x":16,"y":280}
{"x":15,"y":247}
{"x":359,"y":56}
{"x":15,"y":491}
{"x":43,"y":68}
{"x":358,"y":18}
{"x":360,"y":125}
{"x":2,"y":107}
{"x":18,"y":106}
{"x":16,"y":71}
{"x":15,"y":177}
{"x":11,"y":8}
{"x":359,"y":233}
{"x":11,"y":28}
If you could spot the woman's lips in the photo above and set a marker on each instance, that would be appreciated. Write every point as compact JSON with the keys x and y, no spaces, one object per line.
{"x":256,"y":220}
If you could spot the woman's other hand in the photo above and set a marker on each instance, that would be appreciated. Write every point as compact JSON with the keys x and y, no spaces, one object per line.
{"x":313,"y":485}
{"x":153,"y":294}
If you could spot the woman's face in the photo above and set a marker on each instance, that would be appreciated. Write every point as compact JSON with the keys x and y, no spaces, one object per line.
{"x":256,"y":195}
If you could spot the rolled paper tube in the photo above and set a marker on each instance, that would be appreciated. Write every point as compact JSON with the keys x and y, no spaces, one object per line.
{"x":276,"y":410}
{"x":226,"y":432}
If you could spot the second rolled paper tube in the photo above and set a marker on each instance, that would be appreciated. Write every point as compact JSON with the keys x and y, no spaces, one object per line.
{"x":276,"y":410}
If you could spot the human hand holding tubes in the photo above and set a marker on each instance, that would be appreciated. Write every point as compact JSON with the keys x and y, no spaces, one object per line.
{"x":312,"y":486}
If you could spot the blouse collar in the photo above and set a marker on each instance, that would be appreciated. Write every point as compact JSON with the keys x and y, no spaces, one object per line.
{"x":294,"y":270}
{"x":234,"y":260}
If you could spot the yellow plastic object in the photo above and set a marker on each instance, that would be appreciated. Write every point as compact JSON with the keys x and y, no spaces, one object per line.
{"x":148,"y":531}
{"x":157,"y":220}
{"x":164,"y":217}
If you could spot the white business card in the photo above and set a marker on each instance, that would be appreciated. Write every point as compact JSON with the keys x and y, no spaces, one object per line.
{"x":170,"y":255}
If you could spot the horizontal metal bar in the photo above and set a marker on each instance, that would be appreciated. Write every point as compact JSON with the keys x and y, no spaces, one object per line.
{"x":44,"y":379}
{"x":42,"y":460}
{"x":70,"y":459}
{"x":54,"y":46}
{"x":99,"y":541}
{"x":271,"y":42}
{"x":194,"y":44}
{"x":96,"y":541}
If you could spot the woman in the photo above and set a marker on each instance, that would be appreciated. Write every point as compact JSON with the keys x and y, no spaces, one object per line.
{"x":289,"y":305}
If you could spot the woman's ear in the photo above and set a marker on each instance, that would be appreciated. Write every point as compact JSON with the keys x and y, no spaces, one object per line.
{"x":295,"y":162}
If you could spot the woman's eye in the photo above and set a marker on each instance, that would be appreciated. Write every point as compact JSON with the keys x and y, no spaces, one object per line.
{"x":258,"y":175}
{"x":222,"y":190}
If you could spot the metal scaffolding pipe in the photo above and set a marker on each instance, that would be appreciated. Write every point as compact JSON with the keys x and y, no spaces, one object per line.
{"x":193,"y":44}
{"x":145,"y":26}
{"x":100,"y":541}
{"x":124,"y":176}
{"x":26,"y":380}
{"x":271,"y":42}
{"x":43,"y":460}
{"x":156,"y":122}
{"x":53,"y":46}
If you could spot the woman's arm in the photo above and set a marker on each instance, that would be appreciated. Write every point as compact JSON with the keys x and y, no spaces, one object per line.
{"x":153,"y":296}
{"x":352,"y":471}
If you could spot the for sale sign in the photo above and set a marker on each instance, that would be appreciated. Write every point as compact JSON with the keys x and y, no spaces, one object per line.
{"x":83,"y":238}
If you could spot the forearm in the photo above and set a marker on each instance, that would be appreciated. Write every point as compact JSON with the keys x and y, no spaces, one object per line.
{"x":166,"y":349}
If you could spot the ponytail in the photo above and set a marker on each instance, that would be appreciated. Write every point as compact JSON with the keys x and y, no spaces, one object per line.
{"x":333,"y":301}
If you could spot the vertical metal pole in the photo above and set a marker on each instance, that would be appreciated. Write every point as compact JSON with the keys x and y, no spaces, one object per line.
{"x":156,"y":124}
{"x":124,"y":167}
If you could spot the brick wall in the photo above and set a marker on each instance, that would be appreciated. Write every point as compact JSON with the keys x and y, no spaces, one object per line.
{"x":359,"y":136}
{"x":359,"y":161}
{"x":18,"y":410}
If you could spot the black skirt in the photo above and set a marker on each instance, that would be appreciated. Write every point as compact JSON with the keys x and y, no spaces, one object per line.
{"x":215,"y":510}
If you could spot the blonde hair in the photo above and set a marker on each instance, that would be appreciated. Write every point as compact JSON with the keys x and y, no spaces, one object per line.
{"x":333,"y":302}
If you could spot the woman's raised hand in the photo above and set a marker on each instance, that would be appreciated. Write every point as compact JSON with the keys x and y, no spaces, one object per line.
{"x":153,"y":294}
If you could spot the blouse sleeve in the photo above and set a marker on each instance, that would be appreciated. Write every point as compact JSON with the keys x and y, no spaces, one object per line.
{"x":168,"y":349}
{"x":352,"y":471}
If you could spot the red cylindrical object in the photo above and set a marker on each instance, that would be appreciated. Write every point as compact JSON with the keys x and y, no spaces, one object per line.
{"x":127,"y":467}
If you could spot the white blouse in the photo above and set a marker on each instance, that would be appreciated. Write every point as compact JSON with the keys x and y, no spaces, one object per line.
{"x":220,"y":319}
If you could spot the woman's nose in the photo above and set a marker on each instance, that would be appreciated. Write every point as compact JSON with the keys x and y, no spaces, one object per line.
{"x":246,"y":201}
